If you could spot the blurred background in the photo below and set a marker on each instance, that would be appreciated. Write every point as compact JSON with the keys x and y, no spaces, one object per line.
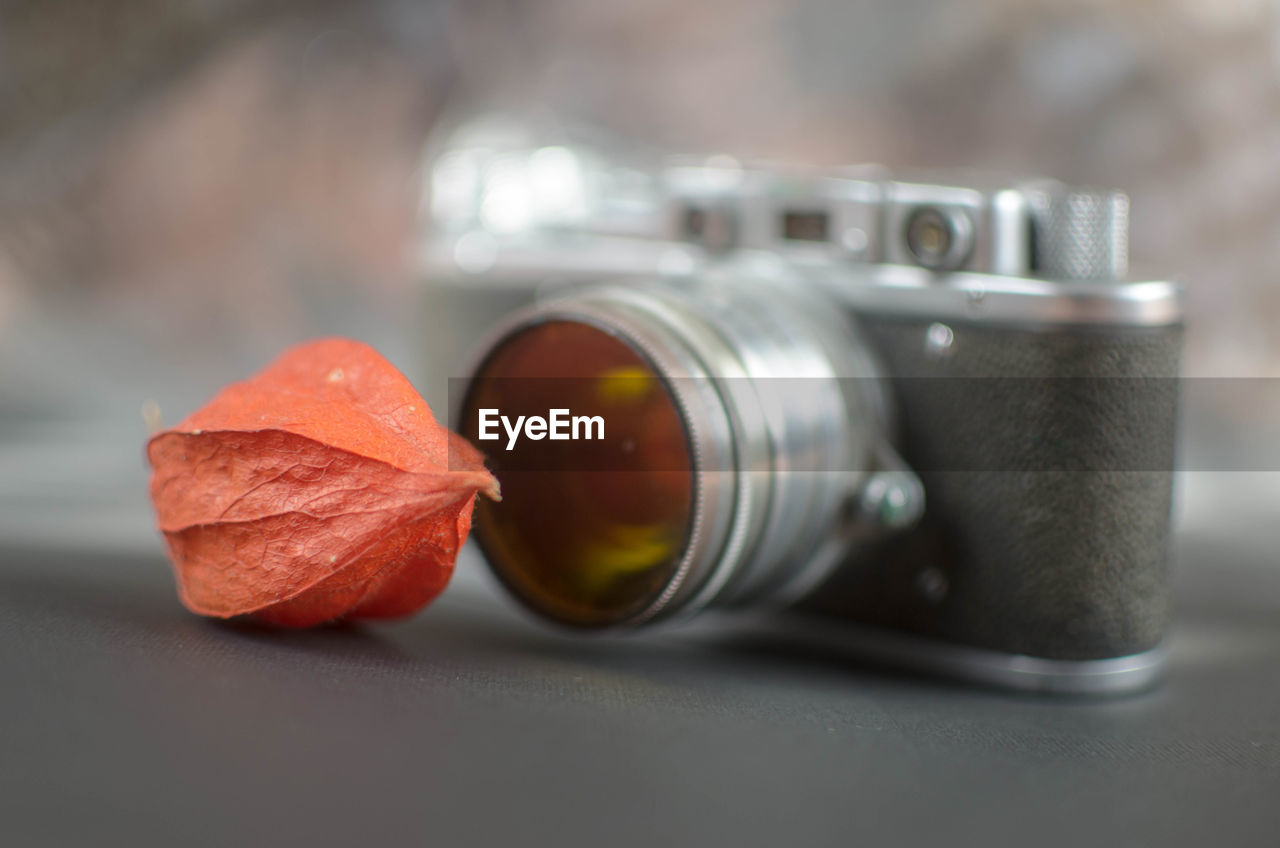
{"x":186,"y":187}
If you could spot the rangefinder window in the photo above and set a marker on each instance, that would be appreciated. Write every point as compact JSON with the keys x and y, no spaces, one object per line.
{"x":798,"y":225}
{"x":712,"y":227}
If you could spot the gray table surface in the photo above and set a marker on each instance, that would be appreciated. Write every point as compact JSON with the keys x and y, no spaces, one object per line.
{"x":126,"y":720}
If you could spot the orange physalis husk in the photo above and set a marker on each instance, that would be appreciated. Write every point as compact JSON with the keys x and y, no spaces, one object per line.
{"x":322,"y":488}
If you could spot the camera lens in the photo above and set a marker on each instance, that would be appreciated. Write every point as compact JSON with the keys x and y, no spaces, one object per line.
{"x":585,"y":539}
{"x":731,"y":442}
{"x":939,"y":238}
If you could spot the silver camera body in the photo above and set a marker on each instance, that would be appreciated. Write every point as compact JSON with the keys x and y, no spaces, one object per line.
{"x":976,"y":478}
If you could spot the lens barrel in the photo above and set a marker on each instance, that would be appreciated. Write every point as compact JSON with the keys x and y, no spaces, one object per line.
{"x":780,"y":411}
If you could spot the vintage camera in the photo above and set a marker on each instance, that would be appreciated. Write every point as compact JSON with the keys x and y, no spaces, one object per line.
{"x":931,"y":419}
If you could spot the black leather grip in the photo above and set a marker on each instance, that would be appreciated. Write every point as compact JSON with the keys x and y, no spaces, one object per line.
{"x":1047,"y":457}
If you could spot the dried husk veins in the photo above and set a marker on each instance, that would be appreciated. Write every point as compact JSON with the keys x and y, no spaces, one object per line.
{"x":321,"y":488}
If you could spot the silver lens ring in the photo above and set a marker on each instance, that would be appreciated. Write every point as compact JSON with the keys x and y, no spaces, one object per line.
{"x":814,"y":386}
{"x":722,"y":500}
{"x":713,"y":369}
{"x":728,"y":505}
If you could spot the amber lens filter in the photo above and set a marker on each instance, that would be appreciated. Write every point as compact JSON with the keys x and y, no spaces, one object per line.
{"x":598,"y":505}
